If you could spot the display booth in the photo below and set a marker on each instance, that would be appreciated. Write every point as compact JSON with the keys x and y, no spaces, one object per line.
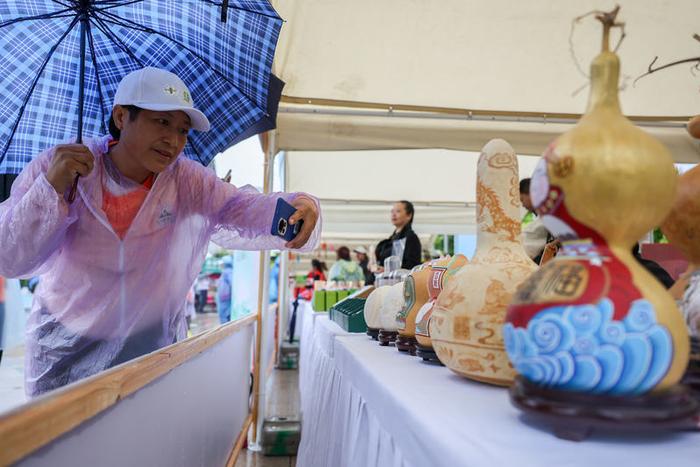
{"x":432,"y":84}
{"x":441,"y":77}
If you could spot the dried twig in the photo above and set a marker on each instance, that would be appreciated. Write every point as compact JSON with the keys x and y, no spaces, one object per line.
{"x":609,"y":19}
{"x":651,"y":68}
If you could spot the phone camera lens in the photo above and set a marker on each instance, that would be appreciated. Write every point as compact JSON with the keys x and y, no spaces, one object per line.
{"x":282,"y":227}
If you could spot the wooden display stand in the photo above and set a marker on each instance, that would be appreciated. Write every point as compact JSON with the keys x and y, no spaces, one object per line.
{"x":387,"y":337}
{"x":574,"y":416}
{"x":428,"y":354}
{"x":406,"y":344}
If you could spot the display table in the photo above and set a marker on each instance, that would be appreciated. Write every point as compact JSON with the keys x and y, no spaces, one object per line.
{"x":316,"y":351}
{"x":365,"y":405}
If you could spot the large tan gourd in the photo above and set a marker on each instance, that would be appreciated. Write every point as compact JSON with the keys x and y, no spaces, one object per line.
{"x":467,"y":319}
{"x":682,"y":228}
{"x":593,"y":320}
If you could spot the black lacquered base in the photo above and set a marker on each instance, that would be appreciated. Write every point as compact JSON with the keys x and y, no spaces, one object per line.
{"x":428,"y":355}
{"x":574,"y":416}
{"x":406,"y":344}
{"x":692,"y":373}
{"x":387,"y":337}
{"x":373,"y":333}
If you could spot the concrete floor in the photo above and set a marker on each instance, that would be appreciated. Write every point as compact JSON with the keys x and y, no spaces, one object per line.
{"x":282,"y":401}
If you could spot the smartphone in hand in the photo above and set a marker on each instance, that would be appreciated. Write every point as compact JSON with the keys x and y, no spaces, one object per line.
{"x":280,"y":221}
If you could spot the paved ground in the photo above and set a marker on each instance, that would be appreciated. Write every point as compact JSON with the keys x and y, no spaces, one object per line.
{"x":282,"y":401}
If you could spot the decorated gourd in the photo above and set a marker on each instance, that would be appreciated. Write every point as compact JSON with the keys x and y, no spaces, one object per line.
{"x":592,"y":319}
{"x":415,"y":294}
{"x":694,"y":127}
{"x":392,"y":304}
{"x":468,"y":317}
{"x":440,"y":273}
{"x":682,"y":228}
{"x":373,"y":308}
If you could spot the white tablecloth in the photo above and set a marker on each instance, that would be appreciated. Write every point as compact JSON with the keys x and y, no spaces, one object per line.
{"x":365,"y":405}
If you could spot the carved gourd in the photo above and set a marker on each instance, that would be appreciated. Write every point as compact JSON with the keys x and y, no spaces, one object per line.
{"x":373,"y":308}
{"x":415,"y":292}
{"x":468,"y":317}
{"x":440,"y":273}
{"x":682,"y":228}
{"x":392,"y":304}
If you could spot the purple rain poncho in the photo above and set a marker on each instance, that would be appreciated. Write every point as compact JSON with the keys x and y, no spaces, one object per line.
{"x":101,"y":300}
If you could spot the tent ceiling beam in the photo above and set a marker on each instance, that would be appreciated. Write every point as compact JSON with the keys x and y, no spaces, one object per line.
{"x":384,"y":202}
{"x":306,"y":105}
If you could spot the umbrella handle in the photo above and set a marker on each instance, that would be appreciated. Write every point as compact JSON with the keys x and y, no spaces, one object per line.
{"x":73,"y":189}
{"x":81,"y":92}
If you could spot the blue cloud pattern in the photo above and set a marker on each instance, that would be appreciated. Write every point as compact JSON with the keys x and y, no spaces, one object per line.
{"x":580,"y":348}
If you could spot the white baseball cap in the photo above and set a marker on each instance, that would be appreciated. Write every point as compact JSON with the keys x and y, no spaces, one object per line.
{"x":360,"y":249}
{"x":159,"y":90}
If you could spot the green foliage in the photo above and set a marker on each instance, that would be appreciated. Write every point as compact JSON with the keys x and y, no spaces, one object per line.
{"x":439,"y":244}
{"x":658,"y":236}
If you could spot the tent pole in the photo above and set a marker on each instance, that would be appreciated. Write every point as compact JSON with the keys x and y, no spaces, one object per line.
{"x":263,"y":278}
{"x":542,"y":119}
{"x":343,"y":107}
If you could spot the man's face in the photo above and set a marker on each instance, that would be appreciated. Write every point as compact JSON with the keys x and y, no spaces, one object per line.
{"x":153,"y":139}
{"x":525,"y":199}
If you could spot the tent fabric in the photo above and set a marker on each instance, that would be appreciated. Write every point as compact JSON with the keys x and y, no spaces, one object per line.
{"x":319,"y":132}
{"x":441,"y":184}
{"x":420,"y":176}
{"x":501,"y":55}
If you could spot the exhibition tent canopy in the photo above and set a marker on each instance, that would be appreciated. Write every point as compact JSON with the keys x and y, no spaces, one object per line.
{"x":416,"y":74}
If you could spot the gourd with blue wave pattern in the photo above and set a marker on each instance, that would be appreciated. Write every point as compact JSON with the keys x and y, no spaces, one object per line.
{"x":593,"y":320}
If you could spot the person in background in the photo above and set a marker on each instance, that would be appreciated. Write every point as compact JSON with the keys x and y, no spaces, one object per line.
{"x":274,"y":286}
{"x":363,"y":260}
{"x":223,"y":291}
{"x":318,"y":271}
{"x":403,"y":242}
{"x":535,"y":234}
{"x":202,"y":288}
{"x":653,"y":267}
{"x":344,"y":269}
{"x":33,"y":283}
{"x":189,"y":307}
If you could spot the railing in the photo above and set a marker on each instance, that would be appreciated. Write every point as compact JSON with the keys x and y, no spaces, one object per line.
{"x":42,"y":421}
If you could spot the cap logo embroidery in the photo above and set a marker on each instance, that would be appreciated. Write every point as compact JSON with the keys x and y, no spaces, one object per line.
{"x":170,"y":90}
{"x":186,"y":97}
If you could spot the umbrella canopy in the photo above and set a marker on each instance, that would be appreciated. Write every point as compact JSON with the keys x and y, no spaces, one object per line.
{"x":226,"y":66}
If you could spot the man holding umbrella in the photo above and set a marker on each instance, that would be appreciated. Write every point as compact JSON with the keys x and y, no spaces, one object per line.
{"x":117,"y":263}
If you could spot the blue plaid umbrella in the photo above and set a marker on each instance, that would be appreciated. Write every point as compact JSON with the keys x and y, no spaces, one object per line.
{"x":63,"y":59}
